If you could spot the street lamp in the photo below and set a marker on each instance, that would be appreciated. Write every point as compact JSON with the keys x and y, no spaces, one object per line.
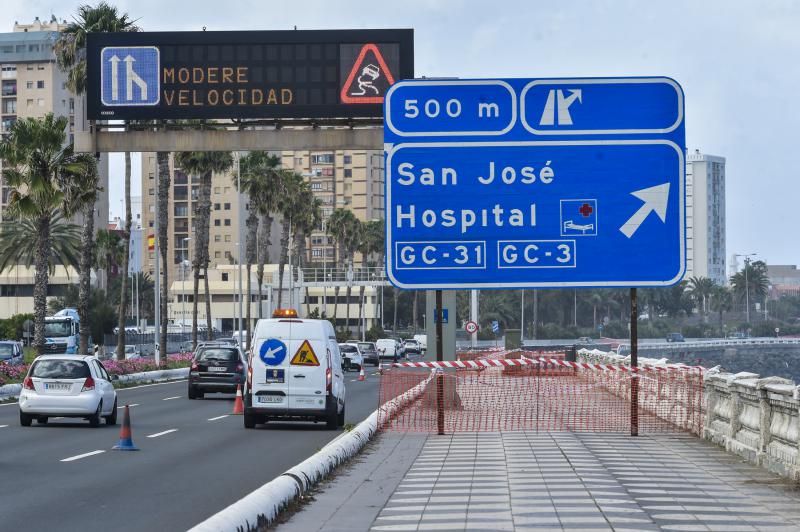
{"x":746,"y":281}
{"x":184,"y":262}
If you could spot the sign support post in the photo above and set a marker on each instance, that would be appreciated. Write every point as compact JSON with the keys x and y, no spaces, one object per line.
{"x":439,"y":358}
{"x":634,"y":364}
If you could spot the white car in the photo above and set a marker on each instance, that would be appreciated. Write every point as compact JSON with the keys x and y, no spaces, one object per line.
{"x":351,"y":356}
{"x":67,"y":386}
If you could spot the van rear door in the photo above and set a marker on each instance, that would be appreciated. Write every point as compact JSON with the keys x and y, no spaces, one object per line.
{"x":307,"y":362}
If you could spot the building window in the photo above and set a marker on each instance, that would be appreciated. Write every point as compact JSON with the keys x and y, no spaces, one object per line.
{"x":227,"y":206}
{"x":217,"y":238}
{"x":227,"y":222}
{"x":322,"y":158}
{"x":28,"y":84}
{"x":217,"y":254}
{"x":40,"y":84}
{"x":348,"y":172}
{"x":150,"y":223}
{"x":216,"y":190}
{"x":348,"y":159}
{"x":39,"y":67}
{"x":227,"y":238}
{"x":227,"y":254}
{"x":227,"y":190}
{"x":216,"y":206}
{"x":316,"y":186}
{"x":225,"y":277}
{"x":216,"y":223}
{"x":151,"y":191}
{"x":40,"y":102}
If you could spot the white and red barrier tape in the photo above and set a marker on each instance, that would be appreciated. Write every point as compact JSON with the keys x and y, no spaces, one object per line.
{"x":509,"y":362}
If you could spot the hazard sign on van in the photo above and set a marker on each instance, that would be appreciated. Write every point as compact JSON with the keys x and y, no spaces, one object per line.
{"x":371,"y":73}
{"x":305,"y":356}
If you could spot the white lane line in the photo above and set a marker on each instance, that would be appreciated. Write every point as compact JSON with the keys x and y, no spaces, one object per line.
{"x":59,"y":417}
{"x":79,"y":456}
{"x":123,"y":407}
{"x":157,"y":434}
{"x":171,"y":398}
{"x":218,"y":417}
{"x":149,"y":385}
{"x":3,"y":426}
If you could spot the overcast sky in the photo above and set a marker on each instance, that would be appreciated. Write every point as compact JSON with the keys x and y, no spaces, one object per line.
{"x":737,"y":62}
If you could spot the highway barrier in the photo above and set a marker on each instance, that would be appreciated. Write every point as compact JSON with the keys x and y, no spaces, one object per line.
{"x":544,"y":394}
{"x":260,"y":508}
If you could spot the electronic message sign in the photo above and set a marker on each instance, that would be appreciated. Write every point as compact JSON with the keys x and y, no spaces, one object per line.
{"x":550,"y":183}
{"x":307,"y":74}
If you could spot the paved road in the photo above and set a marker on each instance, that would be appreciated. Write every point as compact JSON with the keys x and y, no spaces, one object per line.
{"x":177,"y":479}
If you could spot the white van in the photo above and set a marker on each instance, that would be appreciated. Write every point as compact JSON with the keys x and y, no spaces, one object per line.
{"x":295,"y":372}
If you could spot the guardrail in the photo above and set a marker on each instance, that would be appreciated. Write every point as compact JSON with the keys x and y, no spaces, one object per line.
{"x":717,"y":343}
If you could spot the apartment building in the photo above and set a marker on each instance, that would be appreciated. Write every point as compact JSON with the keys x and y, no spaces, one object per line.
{"x":705,"y":217}
{"x":347,"y":179}
{"x":31,"y":85}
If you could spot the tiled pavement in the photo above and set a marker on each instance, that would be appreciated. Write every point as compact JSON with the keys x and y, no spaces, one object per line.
{"x":568,"y":481}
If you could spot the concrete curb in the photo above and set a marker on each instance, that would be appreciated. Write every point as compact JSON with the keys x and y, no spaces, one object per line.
{"x":262,"y":506}
{"x":11,"y":391}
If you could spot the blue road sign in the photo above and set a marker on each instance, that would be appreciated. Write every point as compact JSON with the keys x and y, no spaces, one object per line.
{"x":129,"y":75}
{"x":495,"y":327}
{"x":445,"y":315}
{"x":272,"y":352}
{"x":535,"y":183}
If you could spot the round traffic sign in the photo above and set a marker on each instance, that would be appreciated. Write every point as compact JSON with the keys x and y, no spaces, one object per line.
{"x":471,"y":327}
{"x":272,"y":352}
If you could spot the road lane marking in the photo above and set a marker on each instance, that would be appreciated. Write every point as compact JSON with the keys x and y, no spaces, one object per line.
{"x":171,"y":398}
{"x":59,"y":417}
{"x":157,"y":434}
{"x":218,"y":417}
{"x":123,"y":407}
{"x":149,"y":385}
{"x":79,"y":456}
{"x":3,"y":426}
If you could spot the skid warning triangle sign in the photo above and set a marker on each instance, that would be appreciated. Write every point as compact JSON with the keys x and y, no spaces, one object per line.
{"x":305,"y":356}
{"x":369,"y":79}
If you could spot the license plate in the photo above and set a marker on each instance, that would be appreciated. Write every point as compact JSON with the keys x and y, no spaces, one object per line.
{"x":270,"y":399}
{"x":275,"y":376}
{"x":217,"y":368}
{"x":56,"y":386}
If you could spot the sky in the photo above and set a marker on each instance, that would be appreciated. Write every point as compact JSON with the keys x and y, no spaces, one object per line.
{"x":736,"y":62}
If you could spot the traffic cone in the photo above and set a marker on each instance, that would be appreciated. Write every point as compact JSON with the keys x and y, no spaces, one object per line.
{"x":125,"y":441}
{"x":361,"y":375}
{"x":238,"y":404}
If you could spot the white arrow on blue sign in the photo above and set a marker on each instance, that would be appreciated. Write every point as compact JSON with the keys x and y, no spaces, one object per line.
{"x":535,"y":183}
{"x":129,"y":75}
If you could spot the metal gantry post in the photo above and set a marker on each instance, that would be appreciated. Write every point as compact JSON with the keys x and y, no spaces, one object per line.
{"x":439,"y":358}
{"x":634,"y":364}
{"x":157,"y":283}
{"x":239,"y":218}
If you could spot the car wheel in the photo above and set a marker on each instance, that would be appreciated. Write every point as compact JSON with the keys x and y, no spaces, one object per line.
{"x":41,"y":420}
{"x":111,"y":419}
{"x":192,"y":393}
{"x":94,"y":419}
{"x":249,"y":421}
{"x":340,"y":420}
{"x":25,"y":419}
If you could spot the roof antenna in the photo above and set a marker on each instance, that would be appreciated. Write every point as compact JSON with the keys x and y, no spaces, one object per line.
{"x":295,"y":27}
{"x":204,"y":28}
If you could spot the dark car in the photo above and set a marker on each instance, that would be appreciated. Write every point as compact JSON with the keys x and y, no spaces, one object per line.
{"x":675,"y":337}
{"x":10,"y":353}
{"x":216,"y":368}
{"x":369,"y":352}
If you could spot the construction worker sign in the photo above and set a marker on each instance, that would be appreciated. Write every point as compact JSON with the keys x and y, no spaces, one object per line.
{"x":305,"y":356}
{"x":369,"y":75}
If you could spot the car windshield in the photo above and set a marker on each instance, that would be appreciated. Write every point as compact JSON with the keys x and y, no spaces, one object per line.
{"x":348,"y":349}
{"x":6,"y":351}
{"x":60,"y":369}
{"x":222,"y":353}
{"x":366,"y":345}
{"x":56,"y":329}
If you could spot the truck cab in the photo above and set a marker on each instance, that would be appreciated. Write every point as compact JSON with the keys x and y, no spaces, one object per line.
{"x":61,"y":332}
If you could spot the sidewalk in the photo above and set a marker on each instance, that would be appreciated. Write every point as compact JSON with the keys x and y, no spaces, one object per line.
{"x":551,"y":481}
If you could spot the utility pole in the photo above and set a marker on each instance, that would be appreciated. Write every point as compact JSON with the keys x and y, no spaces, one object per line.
{"x":157,"y":283}
{"x":239,"y":226}
{"x":746,"y":281}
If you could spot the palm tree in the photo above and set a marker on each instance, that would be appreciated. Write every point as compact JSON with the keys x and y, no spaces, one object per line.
{"x":109,"y":250}
{"x":203,"y":164}
{"x":162,"y":212}
{"x":344,"y":227}
{"x":371,"y":242}
{"x":751,"y":283}
{"x":18,"y":243}
{"x":38,"y":167}
{"x":256,"y":179}
{"x":70,"y":51}
{"x":306,"y":220}
{"x":270,"y":193}
{"x":699,"y":289}
{"x":289,"y":207}
{"x":721,"y":300}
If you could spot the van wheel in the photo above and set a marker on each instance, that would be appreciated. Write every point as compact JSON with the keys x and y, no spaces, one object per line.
{"x":331,"y":417}
{"x":249,"y":421}
{"x":340,"y":420}
{"x":192,"y":393}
